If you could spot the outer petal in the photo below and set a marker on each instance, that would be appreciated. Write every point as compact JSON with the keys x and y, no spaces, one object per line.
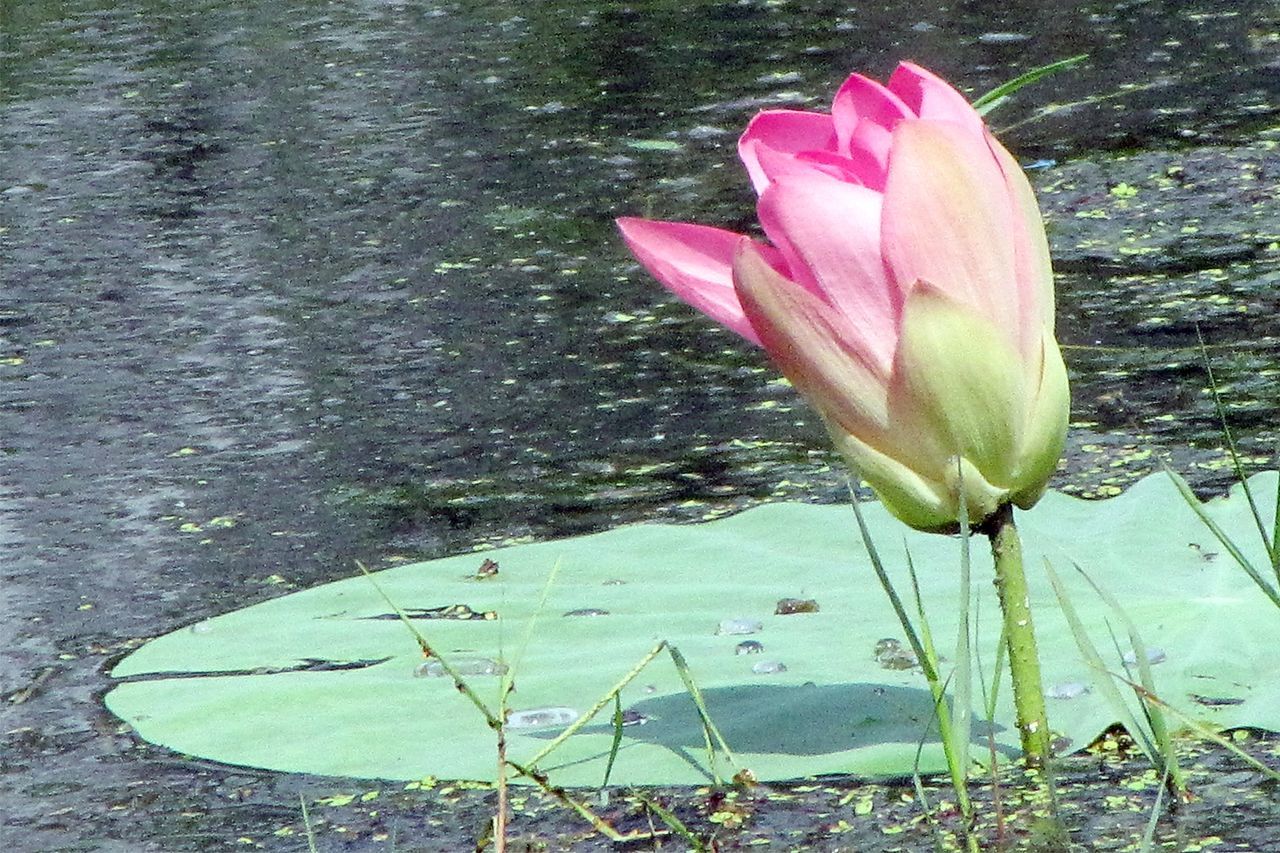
{"x":929,"y":96}
{"x":785,"y":132}
{"x":831,"y":230}
{"x":948,"y":219}
{"x":1046,"y":431}
{"x":812,"y":344}
{"x":1032,"y":265}
{"x":959,"y":384}
{"x":694,"y":262}
{"x":923,"y":503}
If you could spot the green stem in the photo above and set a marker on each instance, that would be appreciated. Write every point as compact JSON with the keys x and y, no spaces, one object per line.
{"x":1024,"y":662}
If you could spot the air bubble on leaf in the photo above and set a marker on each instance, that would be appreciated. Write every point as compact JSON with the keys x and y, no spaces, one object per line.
{"x":204,"y":627}
{"x":1067,"y":690}
{"x":541,"y":718}
{"x":769,"y":667}
{"x":1155,"y":654}
{"x":587,"y":611}
{"x":741,"y":625}
{"x":462,"y":666}
{"x":748,"y":647}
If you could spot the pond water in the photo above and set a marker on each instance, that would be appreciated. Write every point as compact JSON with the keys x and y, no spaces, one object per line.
{"x":289,"y":285}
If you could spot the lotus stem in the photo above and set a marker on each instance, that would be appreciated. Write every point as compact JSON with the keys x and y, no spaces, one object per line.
{"x":1024,"y":660}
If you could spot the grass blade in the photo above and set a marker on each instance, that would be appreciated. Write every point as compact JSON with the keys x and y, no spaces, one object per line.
{"x":1231,"y":445}
{"x":1202,"y":730}
{"x":1106,"y":686}
{"x":989,"y":101}
{"x":709,"y":730}
{"x":609,"y":695}
{"x":673,"y":823}
{"x":617,"y":741}
{"x":1155,"y":718}
{"x":598,"y":823}
{"x":1222,"y":537}
{"x":877,"y":564}
{"x":494,"y":720}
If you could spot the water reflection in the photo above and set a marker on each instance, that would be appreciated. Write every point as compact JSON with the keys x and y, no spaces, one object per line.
{"x":359,"y":259}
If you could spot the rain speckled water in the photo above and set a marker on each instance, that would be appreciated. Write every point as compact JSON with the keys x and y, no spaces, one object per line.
{"x":286,"y":286}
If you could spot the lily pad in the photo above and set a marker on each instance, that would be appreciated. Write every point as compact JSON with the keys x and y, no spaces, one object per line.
{"x":328,"y":681}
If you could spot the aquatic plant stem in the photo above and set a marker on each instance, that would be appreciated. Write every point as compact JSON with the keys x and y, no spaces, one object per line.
{"x":1024,"y":660}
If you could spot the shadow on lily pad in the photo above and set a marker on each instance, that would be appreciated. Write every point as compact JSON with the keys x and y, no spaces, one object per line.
{"x":804,"y":719}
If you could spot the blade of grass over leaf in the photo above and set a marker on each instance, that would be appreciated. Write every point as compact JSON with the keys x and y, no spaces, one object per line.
{"x":990,"y":100}
{"x":901,"y":612}
{"x":494,"y":720}
{"x":1202,"y":730}
{"x":922,"y":645}
{"x":1268,"y":541}
{"x":613,"y":747}
{"x":709,"y":730}
{"x":608,"y":697}
{"x":508,"y":677}
{"x":1234,"y":550}
{"x":1106,"y":686}
{"x":1155,"y":719}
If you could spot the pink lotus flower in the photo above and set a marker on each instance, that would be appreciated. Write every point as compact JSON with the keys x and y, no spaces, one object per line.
{"x":906,"y":293}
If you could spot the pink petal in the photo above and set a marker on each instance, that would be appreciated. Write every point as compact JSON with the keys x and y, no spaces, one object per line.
{"x":869,"y":148}
{"x":694,"y":262}
{"x":931,"y":97}
{"x":861,"y":101}
{"x":948,"y":220}
{"x":786,"y":132}
{"x":831,"y":231}
{"x":814,"y":346}
{"x":1033,"y":268}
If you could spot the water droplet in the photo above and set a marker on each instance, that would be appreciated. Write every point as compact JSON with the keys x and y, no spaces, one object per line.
{"x":740,"y":625}
{"x":540,"y":718}
{"x":769,"y":667}
{"x":587,"y":611}
{"x":1155,"y":654}
{"x":748,"y":647}
{"x":788,"y":606}
{"x":463,"y":666}
{"x":1067,"y":690}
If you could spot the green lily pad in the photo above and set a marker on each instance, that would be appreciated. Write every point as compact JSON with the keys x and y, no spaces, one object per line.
{"x":323,"y":681}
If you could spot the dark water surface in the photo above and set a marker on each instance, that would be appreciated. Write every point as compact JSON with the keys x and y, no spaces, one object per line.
{"x":288,"y":285}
